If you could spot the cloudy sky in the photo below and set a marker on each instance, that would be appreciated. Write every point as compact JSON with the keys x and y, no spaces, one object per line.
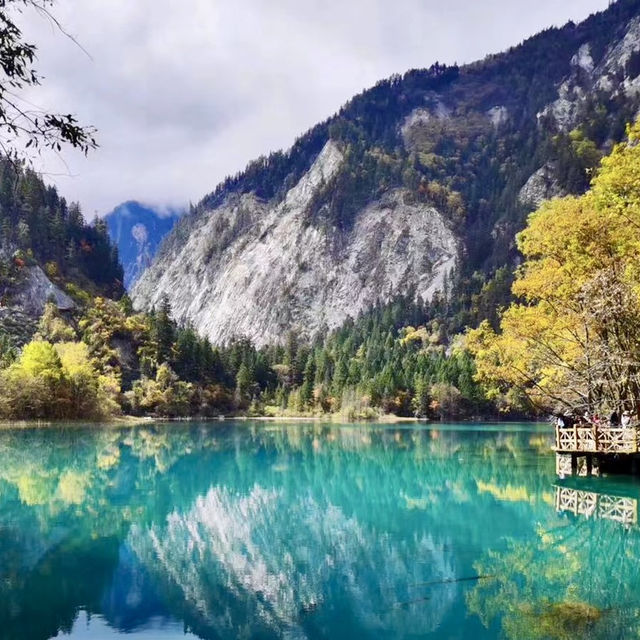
{"x":184,"y":92}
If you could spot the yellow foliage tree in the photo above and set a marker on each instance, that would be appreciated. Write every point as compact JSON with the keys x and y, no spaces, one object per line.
{"x":573,"y":338}
{"x":56,"y":381}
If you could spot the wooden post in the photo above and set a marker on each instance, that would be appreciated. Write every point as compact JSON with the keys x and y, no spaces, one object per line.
{"x":574,"y":464}
{"x":575,"y":437}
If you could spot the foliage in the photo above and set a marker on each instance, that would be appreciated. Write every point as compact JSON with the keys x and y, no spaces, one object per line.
{"x":49,"y":231}
{"x":109,"y":360}
{"x":52,"y":327}
{"x":377,"y":364}
{"x":51,"y":382}
{"x":8,"y":351}
{"x":573,"y":339}
{"x":164,"y":396}
{"x":22,"y":125}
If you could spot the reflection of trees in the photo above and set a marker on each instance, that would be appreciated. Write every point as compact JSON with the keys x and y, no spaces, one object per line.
{"x":66,"y":500}
{"x":575,"y":578}
{"x":296,"y":526}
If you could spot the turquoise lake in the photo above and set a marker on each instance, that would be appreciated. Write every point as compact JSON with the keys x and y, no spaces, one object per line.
{"x":288,"y":530}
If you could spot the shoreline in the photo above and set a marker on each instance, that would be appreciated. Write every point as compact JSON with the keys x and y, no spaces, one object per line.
{"x":142,"y":420}
{"x":134,"y":421}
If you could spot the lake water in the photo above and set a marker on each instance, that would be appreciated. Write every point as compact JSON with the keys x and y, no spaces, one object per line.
{"x":265,"y":530}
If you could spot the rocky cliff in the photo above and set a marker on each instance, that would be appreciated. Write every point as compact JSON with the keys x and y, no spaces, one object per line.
{"x":278,"y":271}
{"x":24,"y":295}
{"x":426,"y":174}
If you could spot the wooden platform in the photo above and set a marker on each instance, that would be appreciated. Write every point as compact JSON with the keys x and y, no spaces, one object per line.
{"x":584,"y":450}
{"x":598,"y":439}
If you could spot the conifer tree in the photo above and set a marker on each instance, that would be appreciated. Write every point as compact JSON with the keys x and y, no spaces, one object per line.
{"x":164,"y":331}
{"x":306,"y":390}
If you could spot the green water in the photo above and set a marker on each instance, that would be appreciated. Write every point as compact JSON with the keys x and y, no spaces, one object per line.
{"x":247,"y":530}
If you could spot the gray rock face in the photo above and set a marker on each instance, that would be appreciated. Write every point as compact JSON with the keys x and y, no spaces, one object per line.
{"x":610,"y":77}
{"x":257,"y":270}
{"x":23,"y":303}
{"x":37,"y":291}
{"x":541,"y":186}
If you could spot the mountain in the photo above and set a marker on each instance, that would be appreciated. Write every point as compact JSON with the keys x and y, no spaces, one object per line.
{"x":137,"y":231}
{"x":48,"y":252}
{"x":415,"y":188}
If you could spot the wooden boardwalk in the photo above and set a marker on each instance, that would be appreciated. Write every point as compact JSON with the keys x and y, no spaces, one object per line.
{"x":597,"y":439}
{"x":582,"y":449}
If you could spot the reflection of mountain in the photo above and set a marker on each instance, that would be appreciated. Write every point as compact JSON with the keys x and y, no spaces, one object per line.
{"x":132,"y":599}
{"x":274,"y":563}
{"x":317,"y":531}
{"x":36,"y":603}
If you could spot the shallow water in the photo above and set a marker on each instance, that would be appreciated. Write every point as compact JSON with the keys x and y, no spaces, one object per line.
{"x":266,"y":530}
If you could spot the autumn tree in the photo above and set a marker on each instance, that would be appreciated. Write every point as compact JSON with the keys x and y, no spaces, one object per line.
{"x":572,"y":340}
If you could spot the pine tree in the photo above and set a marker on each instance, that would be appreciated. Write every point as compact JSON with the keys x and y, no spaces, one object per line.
{"x":306,"y":390}
{"x":420,"y":402}
{"x":164,"y":332}
{"x":244,"y":382}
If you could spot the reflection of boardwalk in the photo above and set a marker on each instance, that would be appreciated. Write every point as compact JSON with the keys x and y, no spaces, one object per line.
{"x":597,"y":505}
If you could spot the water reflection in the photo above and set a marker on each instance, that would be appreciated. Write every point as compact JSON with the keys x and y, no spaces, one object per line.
{"x":592,"y":504}
{"x":577,"y":576}
{"x":300,"y":531}
{"x":277,"y":563}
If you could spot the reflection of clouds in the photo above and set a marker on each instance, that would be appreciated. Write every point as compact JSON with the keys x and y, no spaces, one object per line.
{"x":258,"y":561}
{"x":91,"y":627}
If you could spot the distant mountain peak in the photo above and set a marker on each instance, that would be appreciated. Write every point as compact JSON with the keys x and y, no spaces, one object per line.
{"x":138,"y":230}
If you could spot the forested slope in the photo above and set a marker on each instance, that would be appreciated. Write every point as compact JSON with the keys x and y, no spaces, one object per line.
{"x":471,"y":150}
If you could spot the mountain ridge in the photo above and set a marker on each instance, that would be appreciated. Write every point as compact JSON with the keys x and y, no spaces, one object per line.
{"x":462,"y":142}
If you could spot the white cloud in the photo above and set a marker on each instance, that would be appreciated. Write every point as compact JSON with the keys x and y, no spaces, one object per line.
{"x":184,"y":92}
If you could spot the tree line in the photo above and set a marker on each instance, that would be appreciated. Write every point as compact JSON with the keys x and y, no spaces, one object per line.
{"x":108,"y":360}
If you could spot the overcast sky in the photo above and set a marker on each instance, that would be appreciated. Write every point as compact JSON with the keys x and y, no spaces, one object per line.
{"x":184,"y":92}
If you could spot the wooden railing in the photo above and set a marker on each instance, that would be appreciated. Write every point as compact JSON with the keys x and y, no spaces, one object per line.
{"x":597,"y":505}
{"x":597,"y":439}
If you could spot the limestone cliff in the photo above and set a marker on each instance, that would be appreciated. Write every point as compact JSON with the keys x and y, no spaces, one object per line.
{"x":281,"y":272}
{"x":23,"y":298}
{"x":426,"y":173}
